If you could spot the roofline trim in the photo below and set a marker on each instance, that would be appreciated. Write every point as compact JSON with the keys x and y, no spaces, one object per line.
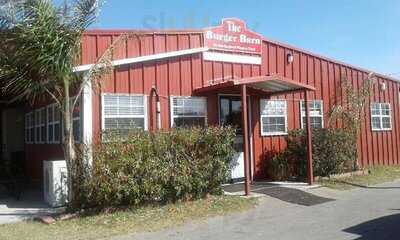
{"x":264,"y":39}
{"x":146,"y":58}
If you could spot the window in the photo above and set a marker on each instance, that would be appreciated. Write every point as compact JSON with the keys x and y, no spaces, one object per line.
{"x":76,"y":120}
{"x":381,"y":116}
{"x":316,"y":114}
{"x":122,"y":112}
{"x":29,"y":128}
{"x":188,"y":111}
{"x":40,"y":125}
{"x":273,"y":117}
{"x":53,"y":124}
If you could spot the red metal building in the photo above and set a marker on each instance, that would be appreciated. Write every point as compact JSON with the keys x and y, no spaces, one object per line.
{"x":198,"y":75}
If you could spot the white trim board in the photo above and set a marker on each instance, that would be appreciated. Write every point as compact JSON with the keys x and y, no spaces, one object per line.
{"x":233,"y":58}
{"x":87,"y":120}
{"x":152,"y":57}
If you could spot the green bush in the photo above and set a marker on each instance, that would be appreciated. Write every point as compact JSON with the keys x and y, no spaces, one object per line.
{"x":278,"y":168}
{"x":334,"y":151}
{"x":144,"y":167}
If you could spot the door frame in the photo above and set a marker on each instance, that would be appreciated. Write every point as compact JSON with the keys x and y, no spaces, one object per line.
{"x":250,"y":124}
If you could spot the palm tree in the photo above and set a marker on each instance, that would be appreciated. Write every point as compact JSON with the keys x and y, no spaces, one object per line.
{"x":40,"y":45}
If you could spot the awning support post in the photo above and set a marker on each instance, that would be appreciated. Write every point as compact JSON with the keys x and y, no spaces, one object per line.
{"x":310,"y":176}
{"x":245,"y":141}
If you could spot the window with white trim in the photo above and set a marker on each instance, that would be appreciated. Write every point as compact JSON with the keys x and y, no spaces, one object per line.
{"x":381,"y":117}
{"x":316,"y":114}
{"x":40,"y":125}
{"x":124,"y":112}
{"x":273,"y":117}
{"x":53,"y":124}
{"x":188,"y":111}
{"x":29,"y":128}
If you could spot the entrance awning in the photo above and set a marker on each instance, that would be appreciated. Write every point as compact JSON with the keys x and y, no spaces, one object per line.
{"x":270,"y":85}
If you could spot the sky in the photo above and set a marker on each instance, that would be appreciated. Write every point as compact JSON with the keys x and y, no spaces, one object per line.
{"x":364,"y":33}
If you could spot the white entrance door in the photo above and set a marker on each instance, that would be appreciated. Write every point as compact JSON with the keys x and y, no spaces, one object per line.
{"x":230,"y":113}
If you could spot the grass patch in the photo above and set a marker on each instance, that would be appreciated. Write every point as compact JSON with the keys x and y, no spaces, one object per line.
{"x":105,"y":225}
{"x":380,"y":174}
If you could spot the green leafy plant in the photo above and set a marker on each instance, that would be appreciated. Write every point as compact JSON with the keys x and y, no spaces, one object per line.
{"x":144,"y":167}
{"x":40,"y":47}
{"x":350,"y":109}
{"x":278,"y":167}
{"x":333,"y":152}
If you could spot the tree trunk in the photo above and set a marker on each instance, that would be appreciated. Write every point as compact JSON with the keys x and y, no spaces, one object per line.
{"x":68,"y":143}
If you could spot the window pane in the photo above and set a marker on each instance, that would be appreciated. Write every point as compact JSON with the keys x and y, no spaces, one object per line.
{"x":50,"y":113}
{"x":57,"y":132}
{"x":189,"y":121}
{"x":57,"y":114}
{"x":120,"y":105}
{"x":376,"y":122}
{"x":43,"y":133}
{"x":385,"y":109}
{"x":315,"y":122}
{"x":50,"y":133}
{"x":32,"y":135}
{"x":273,"y":107}
{"x":76,"y":112}
{"x":189,"y":106}
{"x":386,"y":123}
{"x":375,"y":109}
{"x":43,"y":116}
{"x":76,"y":130}
{"x":273,"y":124}
{"x":123,"y":123}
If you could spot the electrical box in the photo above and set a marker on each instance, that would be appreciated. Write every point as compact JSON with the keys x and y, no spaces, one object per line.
{"x":55,"y":187}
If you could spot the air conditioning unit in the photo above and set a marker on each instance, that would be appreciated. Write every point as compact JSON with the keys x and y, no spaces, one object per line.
{"x":55,"y":182}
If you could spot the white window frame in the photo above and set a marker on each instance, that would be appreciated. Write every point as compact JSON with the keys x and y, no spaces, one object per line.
{"x":53,"y":123}
{"x":381,"y":116}
{"x":39,"y":125}
{"x":173,"y":116}
{"x":145,"y":116}
{"x":312,"y":113}
{"x":264,"y":102}
{"x":28,"y":128}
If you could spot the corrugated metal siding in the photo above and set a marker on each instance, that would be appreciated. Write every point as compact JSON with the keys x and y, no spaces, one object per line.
{"x":180,"y":75}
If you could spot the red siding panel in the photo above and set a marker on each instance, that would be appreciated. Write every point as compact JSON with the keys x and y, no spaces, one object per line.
{"x":181,"y":75}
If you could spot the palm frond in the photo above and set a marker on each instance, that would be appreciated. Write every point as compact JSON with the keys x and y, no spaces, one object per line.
{"x":85,"y":13}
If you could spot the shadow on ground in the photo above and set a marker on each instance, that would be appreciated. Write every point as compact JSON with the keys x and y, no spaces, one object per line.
{"x":291,"y":195}
{"x":387,"y":228}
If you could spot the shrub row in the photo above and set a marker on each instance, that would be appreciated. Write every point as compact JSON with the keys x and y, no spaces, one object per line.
{"x":144,"y":167}
{"x":334,"y":151}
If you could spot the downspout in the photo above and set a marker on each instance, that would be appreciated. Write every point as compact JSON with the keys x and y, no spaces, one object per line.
{"x":158,"y":107}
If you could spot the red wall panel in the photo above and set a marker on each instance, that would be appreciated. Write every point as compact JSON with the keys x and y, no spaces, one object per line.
{"x":181,"y":75}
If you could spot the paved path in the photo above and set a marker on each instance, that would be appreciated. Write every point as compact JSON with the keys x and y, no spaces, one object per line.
{"x":29,"y":206}
{"x":367,"y":213}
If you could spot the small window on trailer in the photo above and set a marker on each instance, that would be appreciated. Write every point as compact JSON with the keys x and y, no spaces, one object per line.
{"x":188,"y":111}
